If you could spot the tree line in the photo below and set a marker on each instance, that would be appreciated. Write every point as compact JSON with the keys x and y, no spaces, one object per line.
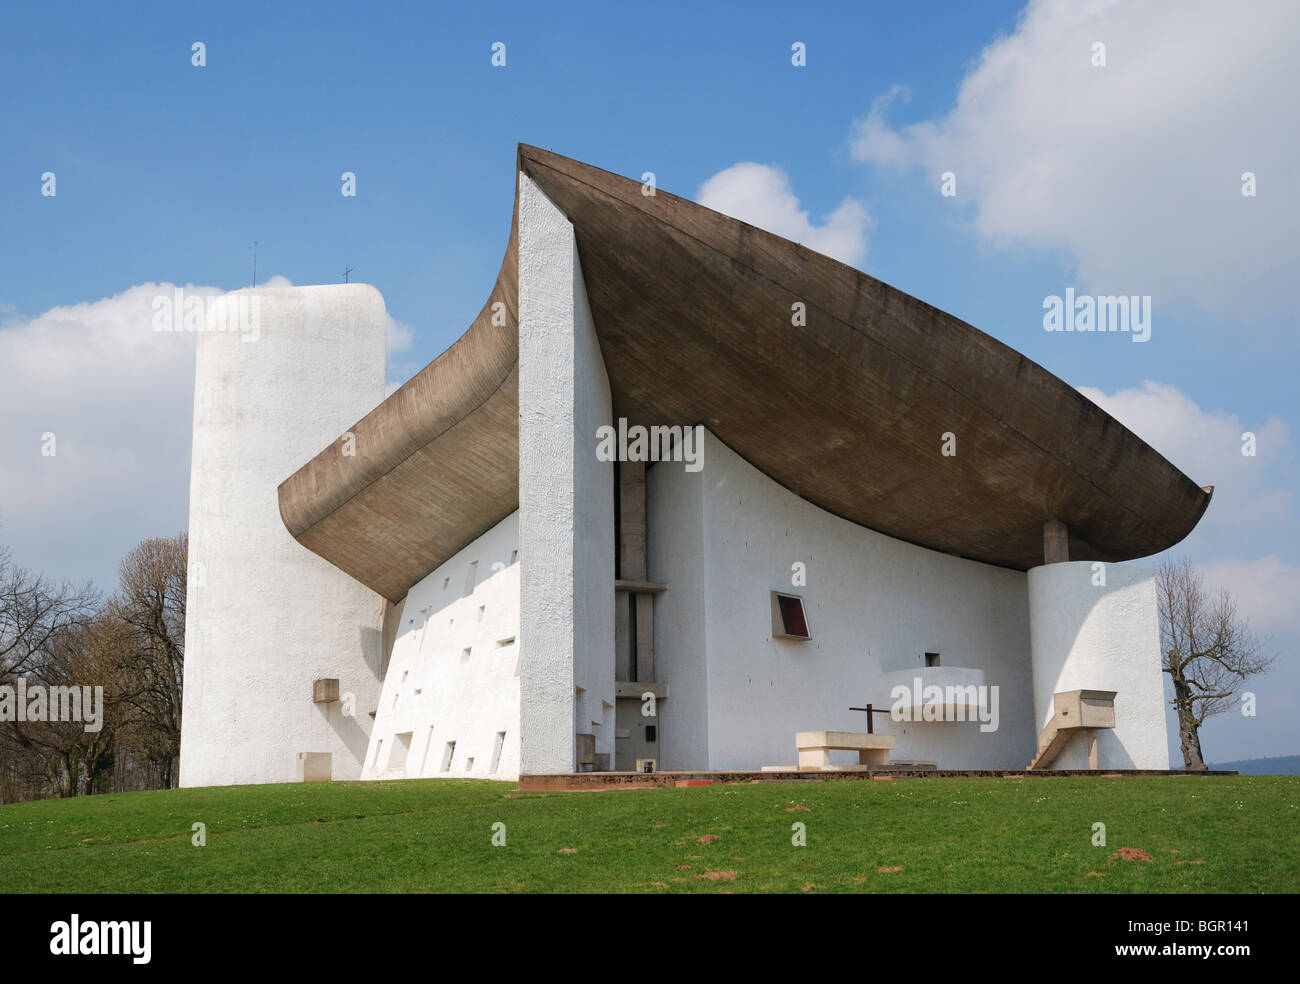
{"x":132,"y":644}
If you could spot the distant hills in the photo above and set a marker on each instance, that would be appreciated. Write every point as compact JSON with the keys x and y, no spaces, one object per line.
{"x":1280,"y":765}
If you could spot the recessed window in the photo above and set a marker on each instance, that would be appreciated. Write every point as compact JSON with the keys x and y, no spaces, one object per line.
{"x":496,"y":750}
{"x":446,"y":581}
{"x":471,"y":579}
{"x":469,"y":763}
{"x":514,"y":555}
{"x":447,"y":755}
{"x":788,"y":618}
{"x":428,"y":745}
{"x":931,"y":659}
{"x":401,"y":748}
{"x":502,"y":643}
{"x":481,"y":610}
{"x":379,"y":750}
{"x":464,"y":654}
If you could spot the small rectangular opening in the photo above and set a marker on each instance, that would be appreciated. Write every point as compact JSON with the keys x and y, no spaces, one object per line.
{"x":496,"y":750}
{"x":931,"y":659}
{"x":447,"y":753}
{"x":471,"y":579}
{"x":508,"y":641}
{"x":400,"y":749}
{"x":469,"y":763}
{"x":514,"y":555}
{"x":788,"y":618}
{"x":464,"y":654}
{"x":481,"y":610}
{"x":428,"y":746}
{"x":379,"y":750}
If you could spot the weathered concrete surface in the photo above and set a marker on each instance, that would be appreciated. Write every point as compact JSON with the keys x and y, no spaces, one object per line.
{"x":693,"y":315}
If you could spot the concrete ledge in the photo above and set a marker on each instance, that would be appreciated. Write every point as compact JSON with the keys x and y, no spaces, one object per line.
{"x":589,"y":781}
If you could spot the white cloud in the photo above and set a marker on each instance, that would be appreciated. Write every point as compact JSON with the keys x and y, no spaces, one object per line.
{"x":1266,"y":590}
{"x":761,"y":195}
{"x":1133,"y":169}
{"x":1253,"y":509}
{"x":117,"y":397}
{"x":399,"y":335}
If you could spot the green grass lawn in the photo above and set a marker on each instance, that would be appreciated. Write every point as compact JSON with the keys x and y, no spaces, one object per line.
{"x":1213,"y":834}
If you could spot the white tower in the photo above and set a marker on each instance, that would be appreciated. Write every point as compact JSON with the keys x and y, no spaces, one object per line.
{"x":281,"y":373}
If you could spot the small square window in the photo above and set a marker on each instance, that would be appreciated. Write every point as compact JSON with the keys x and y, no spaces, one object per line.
{"x":931,"y":659}
{"x":788,"y":618}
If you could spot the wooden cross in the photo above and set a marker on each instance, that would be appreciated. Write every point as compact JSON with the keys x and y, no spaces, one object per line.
{"x":870,"y":711}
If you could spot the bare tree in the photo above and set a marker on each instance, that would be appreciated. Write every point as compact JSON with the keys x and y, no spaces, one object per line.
{"x":150,"y":606}
{"x":1208,"y":652}
{"x":32,"y":610}
{"x":67,"y":757}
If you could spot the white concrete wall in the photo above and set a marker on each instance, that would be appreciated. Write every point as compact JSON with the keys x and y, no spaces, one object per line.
{"x":874,"y":605}
{"x":675,"y":556}
{"x":566,"y":499}
{"x":1087,"y":636}
{"x":436,"y":693}
{"x":265,"y":616}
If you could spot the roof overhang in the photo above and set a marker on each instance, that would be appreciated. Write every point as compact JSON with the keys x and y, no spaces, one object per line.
{"x":693,"y":312}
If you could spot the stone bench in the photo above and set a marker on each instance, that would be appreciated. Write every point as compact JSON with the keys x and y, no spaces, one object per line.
{"x":815,"y":749}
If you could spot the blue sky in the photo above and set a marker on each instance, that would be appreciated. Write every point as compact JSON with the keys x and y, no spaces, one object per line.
{"x":1122,"y":178}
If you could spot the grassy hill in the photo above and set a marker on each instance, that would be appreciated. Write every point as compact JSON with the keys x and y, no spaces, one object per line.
{"x":1201,"y":834}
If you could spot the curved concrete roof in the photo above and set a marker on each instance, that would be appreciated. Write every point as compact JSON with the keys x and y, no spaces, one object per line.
{"x":692,"y":309}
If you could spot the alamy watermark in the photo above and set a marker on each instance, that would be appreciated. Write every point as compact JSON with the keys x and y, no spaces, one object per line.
{"x":657,"y":443}
{"x":231,"y":313}
{"x":954,"y":702}
{"x":1108,"y":313}
{"x":37,"y":702}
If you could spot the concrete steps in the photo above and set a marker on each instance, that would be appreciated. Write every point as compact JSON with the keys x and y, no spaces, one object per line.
{"x":1075,"y":711}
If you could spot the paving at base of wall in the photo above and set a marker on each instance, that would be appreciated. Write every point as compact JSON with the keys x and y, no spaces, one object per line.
{"x":575,"y":782}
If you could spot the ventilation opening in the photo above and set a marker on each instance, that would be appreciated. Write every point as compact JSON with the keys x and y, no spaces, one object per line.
{"x":931,"y":659}
{"x":496,"y":750}
{"x":447,"y":755}
{"x":428,"y":745}
{"x":788,"y":618}
{"x":502,"y":643}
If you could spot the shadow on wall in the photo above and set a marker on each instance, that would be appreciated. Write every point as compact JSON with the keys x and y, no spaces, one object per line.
{"x":372,"y":649}
{"x":348,"y":727}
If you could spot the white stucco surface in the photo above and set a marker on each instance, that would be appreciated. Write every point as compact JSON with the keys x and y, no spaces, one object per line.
{"x":1087,"y":636}
{"x":453,"y":672}
{"x":265,"y":616}
{"x":566,"y":496}
{"x":725,"y":537}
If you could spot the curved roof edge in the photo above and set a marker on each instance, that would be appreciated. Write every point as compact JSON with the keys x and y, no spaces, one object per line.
{"x":692,"y":311}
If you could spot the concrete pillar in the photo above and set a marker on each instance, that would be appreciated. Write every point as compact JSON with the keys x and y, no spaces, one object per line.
{"x":631,"y":520}
{"x":566,"y":500}
{"x":1056,"y":542}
